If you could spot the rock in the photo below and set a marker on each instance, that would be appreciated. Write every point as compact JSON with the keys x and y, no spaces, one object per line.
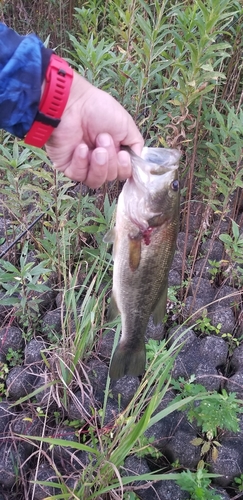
{"x":208,"y":376}
{"x":40,"y":491}
{"x":214,"y":350}
{"x":227,"y":297}
{"x":6,"y":415}
{"x":68,"y":456}
{"x":180,"y":448}
{"x":97,"y":373}
{"x":187,"y":360}
{"x":12,"y":458}
{"x":237,"y":358}
{"x":27,"y":425}
{"x":193,"y":309}
{"x":220,"y":491}
{"x":174,"y":278}
{"x":52,"y":323}
{"x":202,"y":268}
{"x":43,"y":397}
{"x":162,"y":432}
{"x":225,"y":317}
{"x":169,"y":490}
{"x":33,"y":351}
{"x":3,"y":497}
{"x":221,"y":226}
{"x":112,"y":410}
{"x":201,"y":357}
{"x":229,"y":463}
{"x":106,"y":345}
{"x":124,"y":389}
{"x":235,"y":384}
{"x":10,"y":338}
{"x":59,"y":300}
{"x":155,"y":332}
{"x":202,"y":288}
{"x":182,"y":240}
{"x":20,"y":382}
{"x":32,"y":258}
{"x":134,"y":466}
{"x":177,"y":262}
{"x":213,"y":249}
{"x":181,"y":335}
{"x":196,"y":210}
{"x":80,"y":405}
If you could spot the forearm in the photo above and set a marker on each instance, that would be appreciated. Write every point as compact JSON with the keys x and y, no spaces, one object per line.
{"x":23,"y":63}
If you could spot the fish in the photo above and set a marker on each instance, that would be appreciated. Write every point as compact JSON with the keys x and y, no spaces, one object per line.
{"x":144,"y":242}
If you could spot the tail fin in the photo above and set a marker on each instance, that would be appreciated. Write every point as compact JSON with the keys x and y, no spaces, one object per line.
{"x":127,"y":360}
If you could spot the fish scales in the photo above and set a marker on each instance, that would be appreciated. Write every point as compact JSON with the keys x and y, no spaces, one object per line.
{"x":144,"y":245}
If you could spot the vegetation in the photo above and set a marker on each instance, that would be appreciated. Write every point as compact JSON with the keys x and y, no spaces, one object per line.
{"x":177,"y":68}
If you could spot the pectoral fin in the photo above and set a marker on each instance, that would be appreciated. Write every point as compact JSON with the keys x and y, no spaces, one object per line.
{"x":110,"y":236}
{"x":160,"y":308}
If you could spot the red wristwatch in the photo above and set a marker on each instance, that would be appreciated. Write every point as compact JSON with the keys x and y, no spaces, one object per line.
{"x":58,"y":78}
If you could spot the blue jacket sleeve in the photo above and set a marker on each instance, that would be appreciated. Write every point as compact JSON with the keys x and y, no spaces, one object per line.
{"x":23,"y":61}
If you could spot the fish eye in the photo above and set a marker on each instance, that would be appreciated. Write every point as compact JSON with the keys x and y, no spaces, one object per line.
{"x":175,"y":185}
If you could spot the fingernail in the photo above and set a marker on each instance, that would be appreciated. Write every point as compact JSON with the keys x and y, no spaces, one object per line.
{"x":104,"y":140}
{"x":123,"y":159}
{"x":101,"y":157}
{"x":83,"y":151}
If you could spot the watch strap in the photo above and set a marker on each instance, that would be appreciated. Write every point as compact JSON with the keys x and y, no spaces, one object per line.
{"x":58,"y":79}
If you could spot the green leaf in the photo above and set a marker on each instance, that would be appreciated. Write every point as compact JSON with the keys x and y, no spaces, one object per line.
{"x":226,"y":238}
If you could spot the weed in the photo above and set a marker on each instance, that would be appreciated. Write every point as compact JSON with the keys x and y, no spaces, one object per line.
{"x":129,"y":495}
{"x":146,"y":447}
{"x":239,"y":482}
{"x":203,"y":325}
{"x":207,"y":444}
{"x":4,"y":369}
{"x":197,"y":484}
{"x":14,"y":357}
{"x":234,"y":246}
{"x":219,"y":411}
{"x":233,"y":342}
{"x":215,"y":268}
{"x":40,"y":412}
{"x":22,"y":284}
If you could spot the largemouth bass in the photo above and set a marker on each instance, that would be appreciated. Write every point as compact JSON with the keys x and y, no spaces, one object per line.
{"x":144,"y":239}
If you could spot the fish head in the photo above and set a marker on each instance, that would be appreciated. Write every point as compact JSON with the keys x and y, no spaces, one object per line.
{"x":153,"y":190}
{"x":163,"y":190}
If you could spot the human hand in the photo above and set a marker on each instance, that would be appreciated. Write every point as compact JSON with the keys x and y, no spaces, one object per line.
{"x":86,"y":143}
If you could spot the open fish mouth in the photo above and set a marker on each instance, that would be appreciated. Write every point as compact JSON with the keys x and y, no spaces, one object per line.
{"x":168,"y":159}
{"x":154,"y":162}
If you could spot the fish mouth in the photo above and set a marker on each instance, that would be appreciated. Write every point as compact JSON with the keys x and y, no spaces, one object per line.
{"x":154,"y":163}
{"x":167,"y":159}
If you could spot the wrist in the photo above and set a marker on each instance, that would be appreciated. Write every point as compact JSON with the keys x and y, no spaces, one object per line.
{"x":54,"y":97}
